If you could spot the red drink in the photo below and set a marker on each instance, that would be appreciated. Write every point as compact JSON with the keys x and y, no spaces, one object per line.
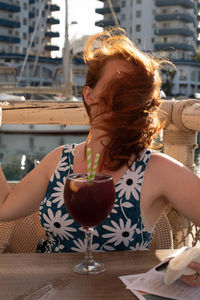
{"x":89,"y":203}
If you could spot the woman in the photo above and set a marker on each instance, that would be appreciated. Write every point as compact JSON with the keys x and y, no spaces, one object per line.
{"x":122,"y":97}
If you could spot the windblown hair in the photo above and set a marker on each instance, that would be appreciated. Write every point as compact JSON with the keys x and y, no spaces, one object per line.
{"x":131,"y":101}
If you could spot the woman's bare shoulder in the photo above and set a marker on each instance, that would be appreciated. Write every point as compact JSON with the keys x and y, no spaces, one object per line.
{"x":159,"y":159}
{"x":51,"y":160}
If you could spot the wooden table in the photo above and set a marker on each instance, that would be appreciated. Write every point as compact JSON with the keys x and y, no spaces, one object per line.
{"x":30,"y":276}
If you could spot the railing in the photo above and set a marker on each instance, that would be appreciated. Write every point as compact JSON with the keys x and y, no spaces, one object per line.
{"x":182,"y":122}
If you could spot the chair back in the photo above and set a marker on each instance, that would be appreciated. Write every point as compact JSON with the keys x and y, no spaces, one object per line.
{"x":163,"y":237}
{"x":22,"y":235}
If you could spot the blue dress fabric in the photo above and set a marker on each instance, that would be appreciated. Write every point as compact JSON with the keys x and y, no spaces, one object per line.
{"x":122,"y":230}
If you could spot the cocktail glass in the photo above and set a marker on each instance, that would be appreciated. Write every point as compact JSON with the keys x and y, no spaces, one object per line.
{"x":89,"y":203}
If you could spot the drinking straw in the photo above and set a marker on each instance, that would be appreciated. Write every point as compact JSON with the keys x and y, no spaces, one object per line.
{"x":95,"y":166}
{"x":89,"y":163}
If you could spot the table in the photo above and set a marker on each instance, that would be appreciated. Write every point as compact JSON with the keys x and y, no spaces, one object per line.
{"x":50,"y":275}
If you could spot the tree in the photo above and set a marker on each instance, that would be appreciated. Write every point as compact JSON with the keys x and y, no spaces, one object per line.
{"x":168,"y":76}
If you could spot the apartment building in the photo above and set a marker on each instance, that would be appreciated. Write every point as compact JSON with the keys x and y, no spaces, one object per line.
{"x":170,"y":28}
{"x":25,"y":42}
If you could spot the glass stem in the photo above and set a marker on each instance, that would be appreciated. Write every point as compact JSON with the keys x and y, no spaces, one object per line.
{"x":88,"y":252}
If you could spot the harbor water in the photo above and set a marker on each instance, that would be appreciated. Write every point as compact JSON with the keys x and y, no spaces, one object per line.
{"x":19,"y":151}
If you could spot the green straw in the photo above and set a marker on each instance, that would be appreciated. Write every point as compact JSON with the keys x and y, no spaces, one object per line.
{"x":91,"y":174}
{"x":89,"y":164}
{"x":95,"y":166}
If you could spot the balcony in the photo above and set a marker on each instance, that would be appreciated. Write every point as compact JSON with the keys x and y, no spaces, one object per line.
{"x":9,"y":7}
{"x":9,"y":39}
{"x":53,"y":21}
{"x":9,"y":24}
{"x":173,"y":47}
{"x":51,"y":48}
{"x":52,"y":7}
{"x":173,"y":17}
{"x":104,"y":23}
{"x":41,"y":59}
{"x":107,"y":10}
{"x":175,"y":31}
{"x":52,"y":34}
{"x":184,"y":3}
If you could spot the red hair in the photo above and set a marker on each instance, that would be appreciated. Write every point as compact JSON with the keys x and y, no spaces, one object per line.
{"x":132,"y":101}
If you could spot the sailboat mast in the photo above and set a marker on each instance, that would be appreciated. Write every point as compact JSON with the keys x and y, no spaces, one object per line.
{"x":67,"y":64}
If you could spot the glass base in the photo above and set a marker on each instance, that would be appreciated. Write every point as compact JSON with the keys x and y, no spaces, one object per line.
{"x":89,"y":268}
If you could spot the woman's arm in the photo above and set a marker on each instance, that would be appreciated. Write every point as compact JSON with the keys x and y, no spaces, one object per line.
{"x":26,"y":196}
{"x":169,"y":181}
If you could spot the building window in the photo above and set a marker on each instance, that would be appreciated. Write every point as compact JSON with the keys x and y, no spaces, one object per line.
{"x":138,"y":42}
{"x":24,"y":35}
{"x":25,"y":21}
{"x":123,"y":17}
{"x":138,"y":1}
{"x":25,"y":6}
{"x":183,"y":75}
{"x":152,"y":40}
{"x":154,"y":26}
{"x":193,"y":75}
{"x":138,"y":14}
{"x":138,"y":28}
{"x":123,"y":4}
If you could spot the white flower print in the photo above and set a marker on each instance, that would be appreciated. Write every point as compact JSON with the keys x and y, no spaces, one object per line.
{"x":59,"y":247}
{"x":69,"y":148}
{"x":59,"y":188}
{"x":130,"y":183}
{"x":58,"y":225}
{"x":114,"y":211}
{"x":142,"y":246}
{"x":62,"y":166}
{"x":145,"y":155}
{"x":81,"y":246}
{"x":122,"y":233}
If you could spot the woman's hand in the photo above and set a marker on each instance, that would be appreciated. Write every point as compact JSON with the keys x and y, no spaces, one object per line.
{"x":193,"y":280}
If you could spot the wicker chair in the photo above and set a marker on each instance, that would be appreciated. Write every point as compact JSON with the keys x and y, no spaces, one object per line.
{"x":23,"y":235}
{"x":163,"y":237}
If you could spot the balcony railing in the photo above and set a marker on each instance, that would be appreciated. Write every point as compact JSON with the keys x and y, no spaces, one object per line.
{"x":174,"y":46}
{"x":9,"y":23}
{"x":9,"y":7}
{"x":51,"y":48}
{"x":173,"y":17}
{"x":53,"y":21}
{"x":184,"y":3}
{"x":53,"y":7}
{"x":175,"y":31}
{"x":9,"y":39}
{"x":107,"y":10}
{"x":52,"y":34}
{"x":104,"y":23}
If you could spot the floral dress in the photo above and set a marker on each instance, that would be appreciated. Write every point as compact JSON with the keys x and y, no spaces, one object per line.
{"x":122,"y":230}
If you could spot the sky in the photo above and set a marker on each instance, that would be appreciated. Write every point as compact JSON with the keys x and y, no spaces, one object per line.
{"x":80,"y":11}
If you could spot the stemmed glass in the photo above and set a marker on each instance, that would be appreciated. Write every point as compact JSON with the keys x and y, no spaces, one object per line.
{"x":89,"y":203}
